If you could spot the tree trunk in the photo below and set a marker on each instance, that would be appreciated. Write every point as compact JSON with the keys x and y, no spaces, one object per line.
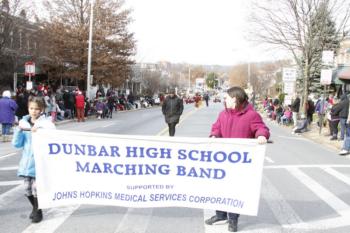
{"x":305,"y":95}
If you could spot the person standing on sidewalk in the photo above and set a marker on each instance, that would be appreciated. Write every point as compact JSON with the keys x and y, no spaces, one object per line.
{"x":8,"y":109}
{"x":22,"y":138}
{"x":343,"y":115}
{"x":80,"y":104}
{"x":238,"y":120}
{"x":172,"y":109}
{"x":295,"y":110}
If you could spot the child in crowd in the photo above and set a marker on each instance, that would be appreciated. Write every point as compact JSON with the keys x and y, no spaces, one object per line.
{"x":287,"y":116}
{"x":22,"y":138}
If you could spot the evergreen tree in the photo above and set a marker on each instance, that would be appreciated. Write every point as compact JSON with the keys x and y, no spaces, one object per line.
{"x":323,"y":29}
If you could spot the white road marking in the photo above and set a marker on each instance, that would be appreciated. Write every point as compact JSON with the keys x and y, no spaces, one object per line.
{"x":268,"y":159}
{"x":337,"y":175}
{"x":52,"y":220}
{"x":329,"y":198}
{"x":8,"y":155}
{"x":9,"y":183}
{"x":105,"y":126}
{"x":135,"y":220}
{"x":8,"y":168}
{"x":324,"y":224}
{"x":307,"y":166}
{"x":10,"y":196}
{"x":280,"y":208}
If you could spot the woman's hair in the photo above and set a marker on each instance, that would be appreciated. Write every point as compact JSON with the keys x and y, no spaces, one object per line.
{"x":38,"y":100}
{"x":241,"y":96}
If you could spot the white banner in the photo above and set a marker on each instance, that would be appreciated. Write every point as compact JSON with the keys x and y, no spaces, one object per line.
{"x":148,"y":171}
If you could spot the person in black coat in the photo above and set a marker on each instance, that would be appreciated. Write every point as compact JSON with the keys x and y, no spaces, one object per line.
{"x":295,"y":109}
{"x":172,"y":109}
{"x":343,"y":115}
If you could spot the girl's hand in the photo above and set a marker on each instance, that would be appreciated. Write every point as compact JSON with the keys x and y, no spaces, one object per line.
{"x":262,"y":140}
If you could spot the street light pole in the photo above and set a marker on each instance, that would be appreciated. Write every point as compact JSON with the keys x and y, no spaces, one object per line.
{"x":88,"y":85}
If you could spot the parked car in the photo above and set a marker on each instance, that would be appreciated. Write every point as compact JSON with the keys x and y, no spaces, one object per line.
{"x":189,"y":100}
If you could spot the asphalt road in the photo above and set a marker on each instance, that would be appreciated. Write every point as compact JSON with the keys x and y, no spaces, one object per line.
{"x":305,"y":187}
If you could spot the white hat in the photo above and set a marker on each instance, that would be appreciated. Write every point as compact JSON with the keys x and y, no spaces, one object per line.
{"x":7,"y":94}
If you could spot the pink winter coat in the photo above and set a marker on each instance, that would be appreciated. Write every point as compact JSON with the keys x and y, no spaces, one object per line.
{"x":246,"y":123}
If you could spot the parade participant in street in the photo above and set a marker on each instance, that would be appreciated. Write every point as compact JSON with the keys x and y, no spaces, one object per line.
{"x":8,"y":109}
{"x":172,"y":109}
{"x":23,"y":139}
{"x":206,"y":98}
{"x":197,"y":100}
{"x":238,"y":120}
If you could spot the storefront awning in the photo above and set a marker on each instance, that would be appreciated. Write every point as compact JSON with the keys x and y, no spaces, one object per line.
{"x":344,"y":73}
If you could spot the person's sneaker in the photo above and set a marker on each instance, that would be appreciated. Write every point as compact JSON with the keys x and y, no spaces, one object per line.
{"x":232,"y":225}
{"x":214,"y":219}
{"x":343,"y":152}
{"x":333,"y":138}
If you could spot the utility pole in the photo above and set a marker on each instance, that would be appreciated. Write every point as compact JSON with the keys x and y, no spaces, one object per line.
{"x":88,"y":85}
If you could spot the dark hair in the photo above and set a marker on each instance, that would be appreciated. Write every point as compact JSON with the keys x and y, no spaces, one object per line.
{"x":240,"y":95}
{"x":38,"y":100}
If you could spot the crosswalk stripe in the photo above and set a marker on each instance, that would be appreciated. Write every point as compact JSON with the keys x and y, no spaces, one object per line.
{"x":269,"y":159}
{"x":8,"y":155}
{"x":135,"y":220}
{"x":52,"y":220}
{"x":307,"y":166}
{"x":332,"y":200}
{"x":282,"y":211}
{"x":13,"y":182}
{"x":337,"y":175}
{"x":8,"y":168}
{"x":11,"y":195}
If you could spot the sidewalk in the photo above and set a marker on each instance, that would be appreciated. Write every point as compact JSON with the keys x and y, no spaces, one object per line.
{"x":313,"y":134}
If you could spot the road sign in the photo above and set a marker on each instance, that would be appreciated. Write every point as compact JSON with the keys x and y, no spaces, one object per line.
{"x":29,"y":68}
{"x":288,"y":87}
{"x":326,"y":76}
{"x":289,"y":74}
{"x":327,"y":57}
{"x":29,"y":85}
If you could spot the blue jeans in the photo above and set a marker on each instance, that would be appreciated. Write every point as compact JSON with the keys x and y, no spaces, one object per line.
{"x":346,"y":144}
{"x":6,"y":128}
{"x":344,"y":128}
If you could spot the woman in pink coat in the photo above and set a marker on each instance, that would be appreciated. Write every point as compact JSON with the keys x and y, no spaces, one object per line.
{"x":238,"y":120}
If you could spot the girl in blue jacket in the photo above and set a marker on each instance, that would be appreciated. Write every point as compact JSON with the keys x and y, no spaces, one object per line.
{"x":22,"y":138}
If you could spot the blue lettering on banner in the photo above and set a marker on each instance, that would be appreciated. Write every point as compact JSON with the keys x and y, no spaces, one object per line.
{"x":65,"y":195}
{"x":130,"y":197}
{"x":82,"y":149}
{"x":217,"y":156}
{"x":201,"y":172}
{"x":123,"y":169}
{"x":141,"y":152}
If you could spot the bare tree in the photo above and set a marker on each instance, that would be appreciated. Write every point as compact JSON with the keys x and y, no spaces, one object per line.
{"x":151,"y":80}
{"x":289,"y":24}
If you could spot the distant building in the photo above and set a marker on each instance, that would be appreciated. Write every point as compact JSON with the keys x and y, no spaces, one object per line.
{"x":21,"y":43}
